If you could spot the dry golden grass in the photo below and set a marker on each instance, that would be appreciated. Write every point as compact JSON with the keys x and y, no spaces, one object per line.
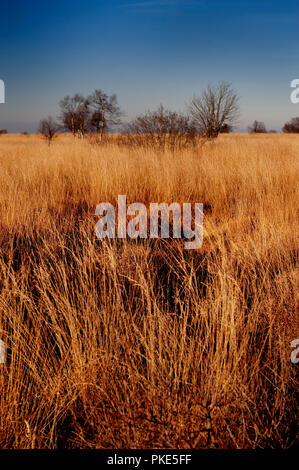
{"x":128,"y":345}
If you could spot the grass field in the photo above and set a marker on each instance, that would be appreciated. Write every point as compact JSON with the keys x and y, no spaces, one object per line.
{"x":147,"y":345}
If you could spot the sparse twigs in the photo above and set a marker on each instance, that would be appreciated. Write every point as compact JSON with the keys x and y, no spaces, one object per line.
{"x":162,"y":129}
{"x":216,"y":110}
{"x":48,"y":128}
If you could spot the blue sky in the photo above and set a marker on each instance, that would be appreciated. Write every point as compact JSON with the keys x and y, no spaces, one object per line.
{"x":147,"y":52}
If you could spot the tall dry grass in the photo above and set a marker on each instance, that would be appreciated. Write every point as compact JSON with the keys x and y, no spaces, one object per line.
{"x":131,"y":345}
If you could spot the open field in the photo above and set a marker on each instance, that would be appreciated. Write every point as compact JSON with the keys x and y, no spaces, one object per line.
{"x":147,"y":345}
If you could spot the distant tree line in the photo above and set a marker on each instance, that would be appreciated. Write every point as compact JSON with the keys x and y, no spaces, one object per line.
{"x":290,"y":127}
{"x":214,"y":112}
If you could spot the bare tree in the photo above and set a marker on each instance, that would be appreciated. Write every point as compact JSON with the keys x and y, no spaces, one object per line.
{"x":257,"y":127}
{"x":48,"y":128}
{"x":218,"y":106}
{"x":162,"y":128}
{"x":104,"y":112}
{"x":292,"y":126}
{"x":75,"y":114}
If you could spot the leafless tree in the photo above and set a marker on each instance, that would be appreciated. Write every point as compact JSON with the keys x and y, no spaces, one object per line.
{"x":104,"y":112}
{"x":75,"y":114}
{"x":218,"y":106}
{"x":257,"y":127}
{"x":48,"y":128}
{"x":292,"y":126}
{"x":162,"y":128}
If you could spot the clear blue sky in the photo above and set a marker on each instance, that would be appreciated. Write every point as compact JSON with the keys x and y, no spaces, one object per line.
{"x":148,"y":52}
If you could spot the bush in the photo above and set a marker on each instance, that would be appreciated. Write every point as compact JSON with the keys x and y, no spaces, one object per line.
{"x":162,"y":129}
{"x":291,"y":127}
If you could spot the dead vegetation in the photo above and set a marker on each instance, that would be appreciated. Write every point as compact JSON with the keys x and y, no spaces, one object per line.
{"x":147,"y":345}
